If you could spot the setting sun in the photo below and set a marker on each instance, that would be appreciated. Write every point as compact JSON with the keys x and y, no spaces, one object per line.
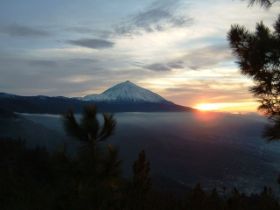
{"x":242,"y":106}
{"x":208,"y":107}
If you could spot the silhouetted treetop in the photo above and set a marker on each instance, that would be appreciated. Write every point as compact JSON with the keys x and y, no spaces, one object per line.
{"x":258,"y":55}
{"x":89,"y":130}
{"x":141,"y":174}
{"x":263,"y":3}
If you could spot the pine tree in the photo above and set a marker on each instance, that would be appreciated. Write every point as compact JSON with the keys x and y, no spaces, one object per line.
{"x":263,"y":3}
{"x":98,"y":167}
{"x":141,"y":174}
{"x":89,"y":131}
{"x":258,"y":55}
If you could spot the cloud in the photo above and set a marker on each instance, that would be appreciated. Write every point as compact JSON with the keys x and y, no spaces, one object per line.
{"x":208,"y":56}
{"x":71,"y":76}
{"x":179,"y":89}
{"x":23,"y":31}
{"x":222,"y":85}
{"x":46,"y":63}
{"x":159,"y":16}
{"x":89,"y":30}
{"x":158,"y":67}
{"x":165,"y":66}
{"x":83,"y":60}
{"x":56,"y":62}
{"x":176,"y":64}
{"x":193,"y":92}
{"x":79,"y":29}
{"x":92,"y":43}
{"x":195,"y":59}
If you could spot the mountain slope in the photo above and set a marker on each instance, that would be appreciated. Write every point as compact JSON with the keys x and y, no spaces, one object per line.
{"x":126,"y":92}
{"x":123,"y":97}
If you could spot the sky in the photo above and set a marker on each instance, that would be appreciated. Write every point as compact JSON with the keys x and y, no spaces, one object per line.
{"x":176,"y":48}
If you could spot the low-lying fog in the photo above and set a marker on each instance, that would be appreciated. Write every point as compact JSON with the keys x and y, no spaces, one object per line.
{"x":183,"y":148}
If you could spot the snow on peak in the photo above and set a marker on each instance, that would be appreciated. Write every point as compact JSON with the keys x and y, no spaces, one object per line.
{"x":126,"y":92}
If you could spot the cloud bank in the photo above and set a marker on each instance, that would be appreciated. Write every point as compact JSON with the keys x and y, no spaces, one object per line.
{"x":23,"y":31}
{"x":161,"y":15}
{"x":92,"y":43}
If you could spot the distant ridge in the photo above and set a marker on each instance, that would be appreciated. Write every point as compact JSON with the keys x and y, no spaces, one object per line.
{"x":122,"y":97}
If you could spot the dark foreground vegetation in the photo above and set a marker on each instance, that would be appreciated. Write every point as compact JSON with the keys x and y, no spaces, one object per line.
{"x":33,"y":178}
{"x":258,"y":57}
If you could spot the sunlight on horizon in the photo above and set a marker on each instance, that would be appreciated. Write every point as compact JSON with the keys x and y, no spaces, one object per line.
{"x":208,"y":107}
{"x":228,"y":107}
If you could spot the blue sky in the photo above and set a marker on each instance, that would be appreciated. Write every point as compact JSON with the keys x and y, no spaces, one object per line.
{"x":177,"y":48}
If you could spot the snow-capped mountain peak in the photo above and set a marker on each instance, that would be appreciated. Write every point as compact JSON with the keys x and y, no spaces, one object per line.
{"x":126,"y":92}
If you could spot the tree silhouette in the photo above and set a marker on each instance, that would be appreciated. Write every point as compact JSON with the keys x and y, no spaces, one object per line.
{"x":141,"y":174}
{"x":263,"y":3}
{"x":88,"y":131}
{"x":258,"y":55}
{"x":98,"y":168}
{"x":32,"y":178}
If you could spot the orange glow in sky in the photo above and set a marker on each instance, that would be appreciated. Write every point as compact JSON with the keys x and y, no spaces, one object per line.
{"x":228,"y":106}
{"x":208,"y":107}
